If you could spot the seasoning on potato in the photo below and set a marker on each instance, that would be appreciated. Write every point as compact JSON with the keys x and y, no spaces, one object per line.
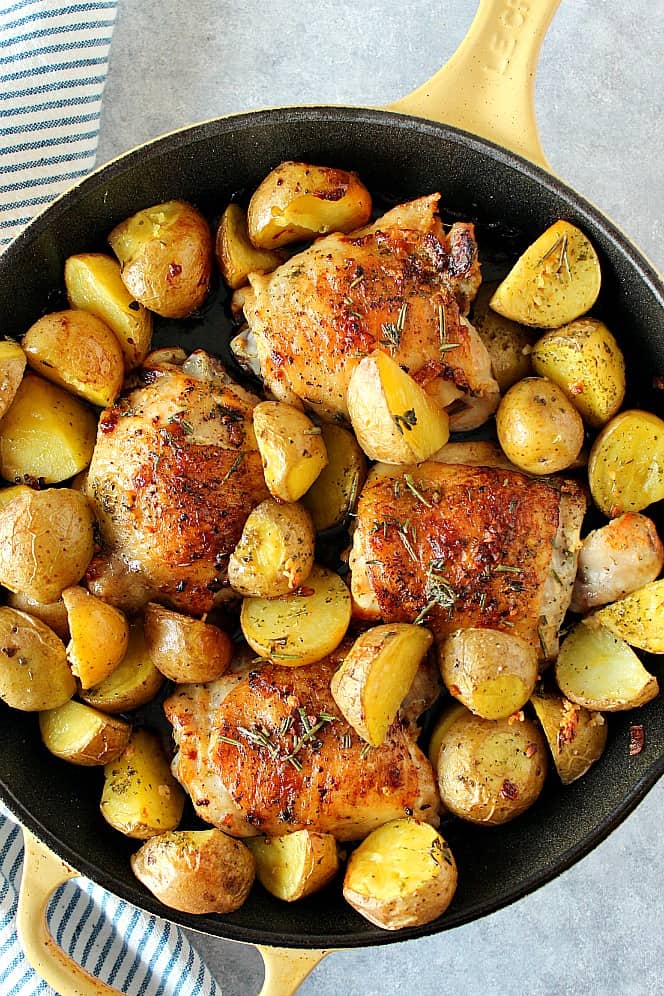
{"x":509,"y":344}
{"x":625,"y":465}
{"x":335,"y":491}
{"x":275,"y":553}
{"x":81,"y":735}
{"x":637,"y":618}
{"x":133,"y":683}
{"x":236,"y":255}
{"x":538,"y":428}
{"x":576,"y":736}
{"x":295,"y":865}
{"x":291,"y":447}
{"x":185,"y":649}
{"x":34,"y":673}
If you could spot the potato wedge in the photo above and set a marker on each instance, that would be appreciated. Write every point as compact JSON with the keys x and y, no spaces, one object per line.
{"x":394,"y":419}
{"x":46,"y":542}
{"x":598,"y":670}
{"x":77,"y":351}
{"x":134,"y":682}
{"x":46,"y":434}
{"x":94,"y":284}
{"x":82,"y":735}
{"x":12,"y":367}
{"x":141,"y":798}
{"x":54,"y":614}
{"x":185,"y":649}
{"x":638,"y":618}
{"x":165,"y":255}
{"x":291,"y":447}
{"x":236,"y":255}
{"x":509,"y":344}
{"x":334,"y":492}
{"x":196,"y":871}
{"x":295,"y":865}
{"x":99,"y":636}
{"x":275,"y":553}
{"x":584,"y":359}
{"x":443,"y":723}
{"x":538,"y":428}
{"x":376,"y":675}
{"x":576,"y":736}
{"x":491,"y":672}
{"x":402,"y":875}
{"x":491,"y":770}
{"x":34,"y":673}
{"x":302,"y":627}
{"x":555,"y":281}
{"x":299,"y":201}
{"x":625,"y":465}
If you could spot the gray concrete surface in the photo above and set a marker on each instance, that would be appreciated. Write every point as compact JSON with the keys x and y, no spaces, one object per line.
{"x":598,"y":928}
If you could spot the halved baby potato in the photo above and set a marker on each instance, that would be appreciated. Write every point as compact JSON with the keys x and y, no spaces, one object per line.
{"x":300,"y":201}
{"x":94,"y":284}
{"x":185,"y":649}
{"x":638,"y":618}
{"x":443,"y":723}
{"x":576,"y":736}
{"x":34,"y":673}
{"x":81,"y":735}
{"x":54,"y":614}
{"x":236,"y":255}
{"x":402,"y":875}
{"x":295,"y":865}
{"x":291,"y":447}
{"x":508,"y":343}
{"x":625,"y":465}
{"x":395,"y":421}
{"x":555,"y":281}
{"x":79,"y":352}
{"x":133,"y":683}
{"x":46,"y":433}
{"x":301,"y":627}
{"x":165,"y":254}
{"x":99,"y":636}
{"x":275,"y":553}
{"x":12,"y":367}
{"x":376,"y":675}
{"x":334,"y":492}
{"x":600,"y":671}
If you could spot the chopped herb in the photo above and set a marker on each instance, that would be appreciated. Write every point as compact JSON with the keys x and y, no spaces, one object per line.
{"x":346,"y":741}
{"x":408,"y":478}
{"x":482,"y":601}
{"x":397,"y":489}
{"x":294,"y":761}
{"x":563,"y":258}
{"x":286,"y":724}
{"x":392,"y":330}
{"x":507,"y":569}
{"x":438,"y":591}
{"x":229,"y":740}
{"x":260,"y":738}
{"x":358,"y":280}
{"x":365,"y":751}
{"x":234,"y":466}
{"x":405,"y":421}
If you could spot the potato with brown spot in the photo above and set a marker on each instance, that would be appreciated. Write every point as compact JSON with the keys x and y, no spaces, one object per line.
{"x":185,"y":649}
{"x":34,"y":673}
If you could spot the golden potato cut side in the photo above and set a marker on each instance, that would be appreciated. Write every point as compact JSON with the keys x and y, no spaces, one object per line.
{"x":625,"y":464}
{"x":133,"y":683}
{"x":442,"y":725}
{"x":291,"y":447}
{"x":295,"y":865}
{"x":99,"y":636}
{"x":236,"y":256}
{"x":81,"y":735}
{"x":576,"y":736}
{"x":555,"y":281}
{"x":334,"y":493}
{"x":185,"y":649}
{"x":275,"y":553}
{"x":376,"y":675}
{"x":598,"y":670}
{"x":508,"y":343}
{"x":12,"y":367}
{"x":402,"y":875}
{"x":34,"y":673}
{"x":637,"y":618}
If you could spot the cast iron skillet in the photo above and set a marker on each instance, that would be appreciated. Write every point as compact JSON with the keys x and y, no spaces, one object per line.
{"x":403,"y":157}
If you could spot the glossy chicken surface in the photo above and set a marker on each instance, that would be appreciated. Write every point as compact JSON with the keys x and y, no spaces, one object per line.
{"x":467,"y":546}
{"x":402,"y":285}
{"x":238,"y":757}
{"x":174,"y":474}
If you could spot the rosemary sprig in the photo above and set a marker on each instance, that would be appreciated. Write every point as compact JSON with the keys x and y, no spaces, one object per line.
{"x":233,"y":467}
{"x":392,"y":330}
{"x":563,"y":258}
{"x":408,"y":478}
{"x":229,"y":740}
{"x":438,"y":591}
{"x":445,"y":346}
{"x":507,"y":569}
{"x":260,"y":738}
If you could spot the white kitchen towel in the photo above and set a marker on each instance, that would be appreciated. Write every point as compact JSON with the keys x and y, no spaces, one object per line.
{"x":53,"y":64}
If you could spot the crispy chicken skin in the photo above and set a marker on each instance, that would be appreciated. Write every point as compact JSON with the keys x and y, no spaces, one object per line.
{"x":174,"y":474}
{"x":402,"y":285}
{"x":480,"y":546}
{"x":244,"y":784}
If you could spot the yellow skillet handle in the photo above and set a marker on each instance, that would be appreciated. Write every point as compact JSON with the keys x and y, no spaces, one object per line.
{"x":43,"y":872}
{"x":488,"y":85}
{"x":286,"y":969}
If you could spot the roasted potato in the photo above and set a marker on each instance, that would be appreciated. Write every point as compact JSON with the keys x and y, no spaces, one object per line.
{"x":133,"y":683}
{"x":584,"y":359}
{"x":638,"y":618}
{"x":576,"y":736}
{"x":46,"y":542}
{"x":490,"y":770}
{"x":334,"y":492}
{"x":99,"y":636}
{"x":472,"y":453}
{"x":394,"y":419}
{"x":236,"y":255}
{"x":299,"y":201}
{"x":509,"y":344}
{"x":185,"y":649}
{"x":402,"y":875}
{"x":94,"y":284}
{"x":625,"y":465}
{"x":538,"y":428}
{"x":598,"y":670}
{"x":34,"y":673}
{"x":295,"y":865}
{"x":196,"y":871}
{"x":12,"y":367}
{"x":77,"y":351}
{"x":491,"y":672}
{"x":275,"y":553}
{"x":82,"y":735}
{"x":54,"y":614}
{"x":10,"y":492}
{"x":554,"y":282}
{"x":443,"y":723}
{"x":291,"y":447}
{"x":302,"y":627}
{"x":47,"y":434}
{"x":165,"y":255}
{"x":141,"y":798}
{"x":375,"y":677}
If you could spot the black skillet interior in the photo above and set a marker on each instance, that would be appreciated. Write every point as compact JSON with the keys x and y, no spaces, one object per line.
{"x":398,"y":157}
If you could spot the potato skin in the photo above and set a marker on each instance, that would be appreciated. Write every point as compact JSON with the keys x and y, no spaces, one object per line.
{"x":295,"y":865}
{"x":54,"y":614}
{"x":336,"y":489}
{"x":236,"y":256}
{"x":538,"y":428}
{"x":185,"y":649}
{"x":81,"y":735}
{"x":576,"y":736}
{"x":46,"y":542}
{"x":99,"y":636}
{"x":275,"y":553}
{"x":509,"y":344}
{"x":34,"y":673}
{"x":12,"y":367}
{"x":196,"y":871}
{"x":634,"y":439}
{"x":165,"y":252}
{"x":134,"y":682}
